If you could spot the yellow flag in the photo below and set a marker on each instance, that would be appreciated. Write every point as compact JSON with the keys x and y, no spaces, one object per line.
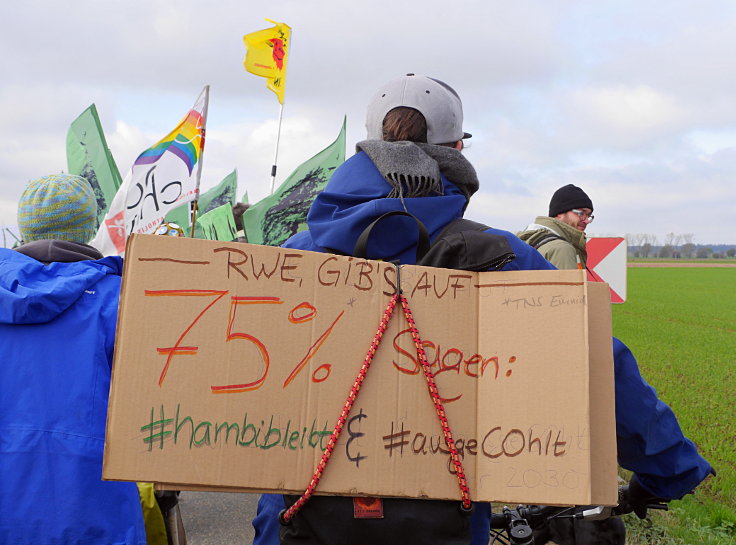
{"x":267,"y":52}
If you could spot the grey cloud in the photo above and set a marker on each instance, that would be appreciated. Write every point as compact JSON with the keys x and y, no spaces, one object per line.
{"x":605,"y":94}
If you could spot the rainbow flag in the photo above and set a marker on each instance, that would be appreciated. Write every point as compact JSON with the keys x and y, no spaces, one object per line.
{"x":186,"y":141}
{"x":162,"y":178}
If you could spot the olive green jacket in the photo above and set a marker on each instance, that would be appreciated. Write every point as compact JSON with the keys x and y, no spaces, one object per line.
{"x":562,"y":252}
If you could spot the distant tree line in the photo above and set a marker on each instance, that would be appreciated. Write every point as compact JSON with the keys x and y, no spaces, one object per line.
{"x":674,"y":246}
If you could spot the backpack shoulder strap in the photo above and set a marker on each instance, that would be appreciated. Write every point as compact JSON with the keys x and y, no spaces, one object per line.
{"x":545,"y":239}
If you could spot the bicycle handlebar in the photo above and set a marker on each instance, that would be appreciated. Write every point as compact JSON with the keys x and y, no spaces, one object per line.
{"x":520,"y":522}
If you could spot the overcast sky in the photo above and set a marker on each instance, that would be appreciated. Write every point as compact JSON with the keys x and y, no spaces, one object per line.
{"x":634,"y":101}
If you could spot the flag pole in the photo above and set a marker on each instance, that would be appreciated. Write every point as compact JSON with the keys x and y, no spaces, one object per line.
{"x":266,"y":55}
{"x":206,"y":92}
{"x":11,"y":234}
{"x":193,"y":217}
{"x":276,"y":154}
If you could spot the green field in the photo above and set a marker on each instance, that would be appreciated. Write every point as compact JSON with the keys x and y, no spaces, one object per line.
{"x":681,"y":325}
{"x":711,"y":261}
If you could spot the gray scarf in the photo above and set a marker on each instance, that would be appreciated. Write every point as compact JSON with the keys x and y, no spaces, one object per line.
{"x":413,"y":168}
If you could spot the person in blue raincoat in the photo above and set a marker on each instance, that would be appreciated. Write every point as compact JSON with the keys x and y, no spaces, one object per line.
{"x":412,"y":162}
{"x":58,"y":311}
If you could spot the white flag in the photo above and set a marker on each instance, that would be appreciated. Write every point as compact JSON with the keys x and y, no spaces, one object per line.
{"x":162,"y":177}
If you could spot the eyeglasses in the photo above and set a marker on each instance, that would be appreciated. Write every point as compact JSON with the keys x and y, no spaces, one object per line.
{"x":584,"y":216}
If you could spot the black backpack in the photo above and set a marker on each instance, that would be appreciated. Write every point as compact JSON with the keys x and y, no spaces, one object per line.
{"x":463,"y":244}
{"x":336,"y":520}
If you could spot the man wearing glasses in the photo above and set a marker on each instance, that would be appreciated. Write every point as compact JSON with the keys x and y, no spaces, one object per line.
{"x":560,"y":236}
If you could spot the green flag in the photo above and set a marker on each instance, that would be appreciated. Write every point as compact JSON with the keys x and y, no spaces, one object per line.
{"x":274,"y":219}
{"x":222,"y":193}
{"x":87,"y":155}
{"x":218,"y":224}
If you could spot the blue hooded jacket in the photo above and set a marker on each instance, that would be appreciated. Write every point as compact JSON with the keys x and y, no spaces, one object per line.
{"x":57,"y":329}
{"x":650,"y":441}
{"x":355,"y":196}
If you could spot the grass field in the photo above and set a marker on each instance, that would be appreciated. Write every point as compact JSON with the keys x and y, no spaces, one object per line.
{"x":724,"y":260}
{"x":681,"y":325}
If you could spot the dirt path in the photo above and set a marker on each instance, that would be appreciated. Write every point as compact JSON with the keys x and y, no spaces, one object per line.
{"x":675,"y":264}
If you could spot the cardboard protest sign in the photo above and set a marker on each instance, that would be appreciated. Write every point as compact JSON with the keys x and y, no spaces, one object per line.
{"x":233,"y":362}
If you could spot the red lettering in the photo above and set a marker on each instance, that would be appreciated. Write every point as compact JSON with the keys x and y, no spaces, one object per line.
{"x":177,"y":349}
{"x":409,"y":355}
{"x":312,"y":351}
{"x":289,"y":267}
{"x":453,"y":353}
{"x":389,"y":281}
{"x":486,"y":438}
{"x":364,"y":275}
{"x":475,"y":359}
{"x":231,"y":335}
{"x":234,"y":264}
{"x":263,"y":272}
{"x":330,"y":273}
{"x":321,"y":373}
{"x":447,"y":285}
{"x":559,"y":443}
{"x":494,"y":359}
{"x":458,"y":284}
{"x":308,"y":310}
{"x":419,"y":286}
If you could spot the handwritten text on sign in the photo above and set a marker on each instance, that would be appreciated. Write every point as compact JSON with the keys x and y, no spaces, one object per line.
{"x":233,"y":362}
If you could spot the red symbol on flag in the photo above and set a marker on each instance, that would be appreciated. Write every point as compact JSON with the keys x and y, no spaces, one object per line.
{"x":116,"y":230}
{"x":278,"y":52}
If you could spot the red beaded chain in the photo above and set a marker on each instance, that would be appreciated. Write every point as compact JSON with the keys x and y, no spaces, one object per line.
{"x":321,"y":466}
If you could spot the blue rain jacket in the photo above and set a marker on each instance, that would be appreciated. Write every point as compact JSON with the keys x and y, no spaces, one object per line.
{"x":354,"y":197}
{"x":57,"y":328}
{"x":650,"y":441}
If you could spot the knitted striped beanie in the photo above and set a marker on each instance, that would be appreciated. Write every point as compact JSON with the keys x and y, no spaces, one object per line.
{"x":59,"y":206}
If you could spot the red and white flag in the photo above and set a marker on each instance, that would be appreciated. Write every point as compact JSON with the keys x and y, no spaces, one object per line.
{"x":607,"y":263}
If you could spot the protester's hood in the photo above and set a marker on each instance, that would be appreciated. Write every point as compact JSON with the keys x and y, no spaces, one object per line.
{"x":48,"y":251}
{"x":355,"y":196}
{"x":32,"y":292}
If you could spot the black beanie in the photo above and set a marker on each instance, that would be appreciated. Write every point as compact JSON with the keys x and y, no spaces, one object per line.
{"x":568,"y":197}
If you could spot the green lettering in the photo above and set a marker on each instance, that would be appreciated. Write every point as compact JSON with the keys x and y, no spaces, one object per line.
{"x":286,"y":433}
{"x":320,"y":434}
{"x":246,"y":428}
{"x":205,"y":440}
{"x":179,"y":424}
{"x":292,"y":438}
{"x":266,"y":445}
{"x":228,"y":428}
